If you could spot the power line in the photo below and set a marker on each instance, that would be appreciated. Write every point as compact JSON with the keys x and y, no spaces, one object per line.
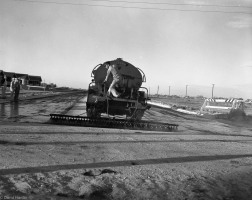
{"x":177,"y":4}
{"x":132,"y":7}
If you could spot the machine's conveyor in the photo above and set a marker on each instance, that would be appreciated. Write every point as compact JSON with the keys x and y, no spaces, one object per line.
{"x":111,"y":123}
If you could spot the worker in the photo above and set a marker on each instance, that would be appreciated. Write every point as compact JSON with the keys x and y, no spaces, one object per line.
{"x":2,"y":81}
{"x":114,"y":69}
{"x":4,"y":86}
{"x":12,"y":87}
{"x":16,"y":89}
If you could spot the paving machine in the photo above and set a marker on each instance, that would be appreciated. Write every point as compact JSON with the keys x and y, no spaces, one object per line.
{"x":125,"y":111}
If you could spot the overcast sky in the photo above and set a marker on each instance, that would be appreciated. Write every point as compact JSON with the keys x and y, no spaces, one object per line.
{"x":63,"y":40}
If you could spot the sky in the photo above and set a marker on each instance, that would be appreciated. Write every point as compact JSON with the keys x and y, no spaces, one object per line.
{"x":195,"y":42}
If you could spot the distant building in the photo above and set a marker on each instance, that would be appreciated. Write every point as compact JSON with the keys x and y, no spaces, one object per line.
{"x":34,"y":80}
{"x":52,"y":85}
{"x":26,"y":79}
{"x":9,"y":76}
{"x":23,"y":78}
{"x":49,"y":86}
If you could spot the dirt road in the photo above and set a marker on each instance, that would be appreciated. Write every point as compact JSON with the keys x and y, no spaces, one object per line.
{"x":204,"y":159}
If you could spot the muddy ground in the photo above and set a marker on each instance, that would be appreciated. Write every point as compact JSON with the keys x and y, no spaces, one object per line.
{"x":204,"y":159}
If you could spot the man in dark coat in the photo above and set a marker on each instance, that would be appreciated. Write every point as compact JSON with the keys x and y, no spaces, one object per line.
{"x":3,"y":83}
{"x":16,"y":89}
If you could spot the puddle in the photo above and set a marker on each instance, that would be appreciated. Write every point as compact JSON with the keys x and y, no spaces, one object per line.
{"x":38,"y":110}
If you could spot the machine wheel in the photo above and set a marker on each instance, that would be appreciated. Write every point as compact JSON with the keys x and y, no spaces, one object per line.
{"x":89,"y":112}
{"x":138,"y":114}
{"x":92,"y":113}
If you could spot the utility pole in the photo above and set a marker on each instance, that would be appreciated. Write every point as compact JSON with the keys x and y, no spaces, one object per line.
{"x":186,"y":90}
{"x":157,"y":89}
{"x":149,"y":90}
{"x":169,"y":90}
{"x":212,"y":90}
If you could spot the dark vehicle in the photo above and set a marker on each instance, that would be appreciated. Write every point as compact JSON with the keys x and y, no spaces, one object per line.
{"x":132,"y":102}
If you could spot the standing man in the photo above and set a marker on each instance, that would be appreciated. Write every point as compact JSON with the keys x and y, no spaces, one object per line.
{"x":4,"y":87}
{"x":114,"y":69}
{"x":2,"y":81}
{"x":12,"y":88}
{"x":16,"y":89}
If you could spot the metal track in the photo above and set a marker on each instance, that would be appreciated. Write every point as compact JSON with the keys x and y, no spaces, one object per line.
{"x":111,"y":123}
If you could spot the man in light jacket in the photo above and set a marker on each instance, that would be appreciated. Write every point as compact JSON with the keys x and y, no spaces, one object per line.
{"x":114,"y":69}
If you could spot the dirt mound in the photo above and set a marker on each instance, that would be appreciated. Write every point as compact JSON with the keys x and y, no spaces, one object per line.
{"x":110,"y":184}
